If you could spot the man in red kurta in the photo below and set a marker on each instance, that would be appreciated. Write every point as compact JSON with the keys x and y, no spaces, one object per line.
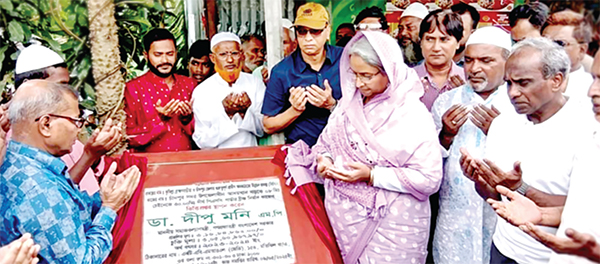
{"x":159,"y":112}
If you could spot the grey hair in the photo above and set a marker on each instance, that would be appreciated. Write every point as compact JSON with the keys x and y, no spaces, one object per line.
{"x":48,"y":100}
{"x":553,"y":57}
{"x":365,"y":51}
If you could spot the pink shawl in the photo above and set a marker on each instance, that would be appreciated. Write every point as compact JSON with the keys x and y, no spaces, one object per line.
{"x":402,"y":131}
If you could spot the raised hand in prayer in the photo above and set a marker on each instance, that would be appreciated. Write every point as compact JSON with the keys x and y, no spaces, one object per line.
{"x":185,"y":111}
{"x":456,"y":81}
{"x":494,"y":176}
{"x":298,"y":98}
{"x":103,"y":140}
{"x":4,"y":123}
{"x":116,"y":190}
{"x":469,"y":168}
{"x":265,"y":74}
{"x":229,"y":105}
{"x":576,"y":243}
{"x":482,"y":117}
{"x":4,"y":127}
{"x":518,"y":210}
{"x":319,"y":97}
{"x":169,"y":110}
{"x":185,"y":108}
{"x":243,"y":102}
{"x":20,"y":251}
{"x":323,"y":164}
{"x":452,"y":120}
{"x":358,"y":172}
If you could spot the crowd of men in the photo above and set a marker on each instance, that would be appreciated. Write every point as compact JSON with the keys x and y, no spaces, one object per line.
{"x":512,"y":109}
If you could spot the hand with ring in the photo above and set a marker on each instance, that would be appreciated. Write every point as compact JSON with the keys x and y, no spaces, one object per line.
{"x":452,"y":120}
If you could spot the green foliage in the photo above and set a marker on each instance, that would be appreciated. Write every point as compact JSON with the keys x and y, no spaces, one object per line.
{"x":62,"y":25}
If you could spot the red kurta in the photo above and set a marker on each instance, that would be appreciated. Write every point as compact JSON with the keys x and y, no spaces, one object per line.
{"x":149,"y":130}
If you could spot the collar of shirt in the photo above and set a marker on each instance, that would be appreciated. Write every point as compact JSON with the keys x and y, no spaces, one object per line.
{"x":423,"y":73}
{"x":54,"y":164}
{"x":153,"y":78}
{"x":302,"y":66}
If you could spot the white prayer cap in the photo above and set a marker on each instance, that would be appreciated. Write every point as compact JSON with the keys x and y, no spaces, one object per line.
{"x":492,"y":36}
{"x":286,"y":23}
{"x":415,"y":9}
{"x":223,"y":36}
{"x":36,"y":57}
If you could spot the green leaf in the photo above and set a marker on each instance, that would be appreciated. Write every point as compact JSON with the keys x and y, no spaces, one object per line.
{"x":89,"y":91}
{"x":6,"y":5}
{"x":2,"y":50}
{"x":138,"y":20}
{"x":16,"y":31}
{"x":71,"y":19}
{"x":88,"y":104}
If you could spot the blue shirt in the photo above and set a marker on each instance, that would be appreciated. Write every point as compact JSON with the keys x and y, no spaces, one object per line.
{"x":38,"y":197}
{"x":293,"y":72}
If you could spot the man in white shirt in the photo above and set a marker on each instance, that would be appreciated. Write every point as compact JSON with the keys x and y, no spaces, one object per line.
{"x":570,"y":30}
{"x":578,"y":236}
{"x":532,"y":156}
{"x":227,"y":105}
{"x":465,"y":222}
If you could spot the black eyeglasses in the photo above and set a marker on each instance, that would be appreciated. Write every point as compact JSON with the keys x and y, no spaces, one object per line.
{"x":302,"y":31}
{"x":562,"y":43}
{"x":78,"y":122}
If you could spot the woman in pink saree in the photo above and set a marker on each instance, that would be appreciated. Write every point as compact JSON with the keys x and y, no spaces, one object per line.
{"x":378,"y":157}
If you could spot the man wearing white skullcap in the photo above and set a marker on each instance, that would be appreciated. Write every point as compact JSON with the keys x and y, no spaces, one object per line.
{"x":85,"y":162}
{"x":408,"y":32}
{"x":227,"y":105}
{"x":39,"y":62}
{"x":465,"y":223}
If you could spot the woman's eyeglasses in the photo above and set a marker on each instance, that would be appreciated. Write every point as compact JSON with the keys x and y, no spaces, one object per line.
{"x":364,"y":77}
{"x":78,"y":122}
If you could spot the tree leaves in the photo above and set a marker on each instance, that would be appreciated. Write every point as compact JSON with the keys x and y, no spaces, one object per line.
{"x":15,"y":31}
{"x":49,"y":20}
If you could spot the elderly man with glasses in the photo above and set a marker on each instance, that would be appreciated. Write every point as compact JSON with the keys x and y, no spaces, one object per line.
{"x":85,"y":161}
{"x":305,"y":86}
{"x":227,"y":105}
{"x":570,"y":30}
{"x":38,"y":196}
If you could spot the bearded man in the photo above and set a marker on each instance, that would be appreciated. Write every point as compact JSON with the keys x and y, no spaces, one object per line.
{"x":227,"y":105}
{"x":157,"y":103}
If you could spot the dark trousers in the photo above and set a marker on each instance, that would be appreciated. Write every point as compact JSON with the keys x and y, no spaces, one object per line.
{"x":496,"y":257}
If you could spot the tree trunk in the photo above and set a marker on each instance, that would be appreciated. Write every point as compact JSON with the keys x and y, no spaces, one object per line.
{"x":106,"y":64}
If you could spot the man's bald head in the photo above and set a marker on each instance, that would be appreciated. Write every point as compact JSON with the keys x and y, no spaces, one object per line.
{"x":38,"y":97}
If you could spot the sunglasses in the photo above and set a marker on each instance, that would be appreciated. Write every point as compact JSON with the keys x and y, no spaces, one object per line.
{"x":78,"y":122}
{"x":302,"y":31}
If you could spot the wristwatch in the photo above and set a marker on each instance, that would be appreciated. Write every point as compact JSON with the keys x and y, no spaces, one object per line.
{"x":523,"y":188}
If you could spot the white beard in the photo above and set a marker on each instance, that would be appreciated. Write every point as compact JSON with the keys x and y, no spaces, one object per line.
{"x":410,"y":55}
{"x":251,"y":65}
